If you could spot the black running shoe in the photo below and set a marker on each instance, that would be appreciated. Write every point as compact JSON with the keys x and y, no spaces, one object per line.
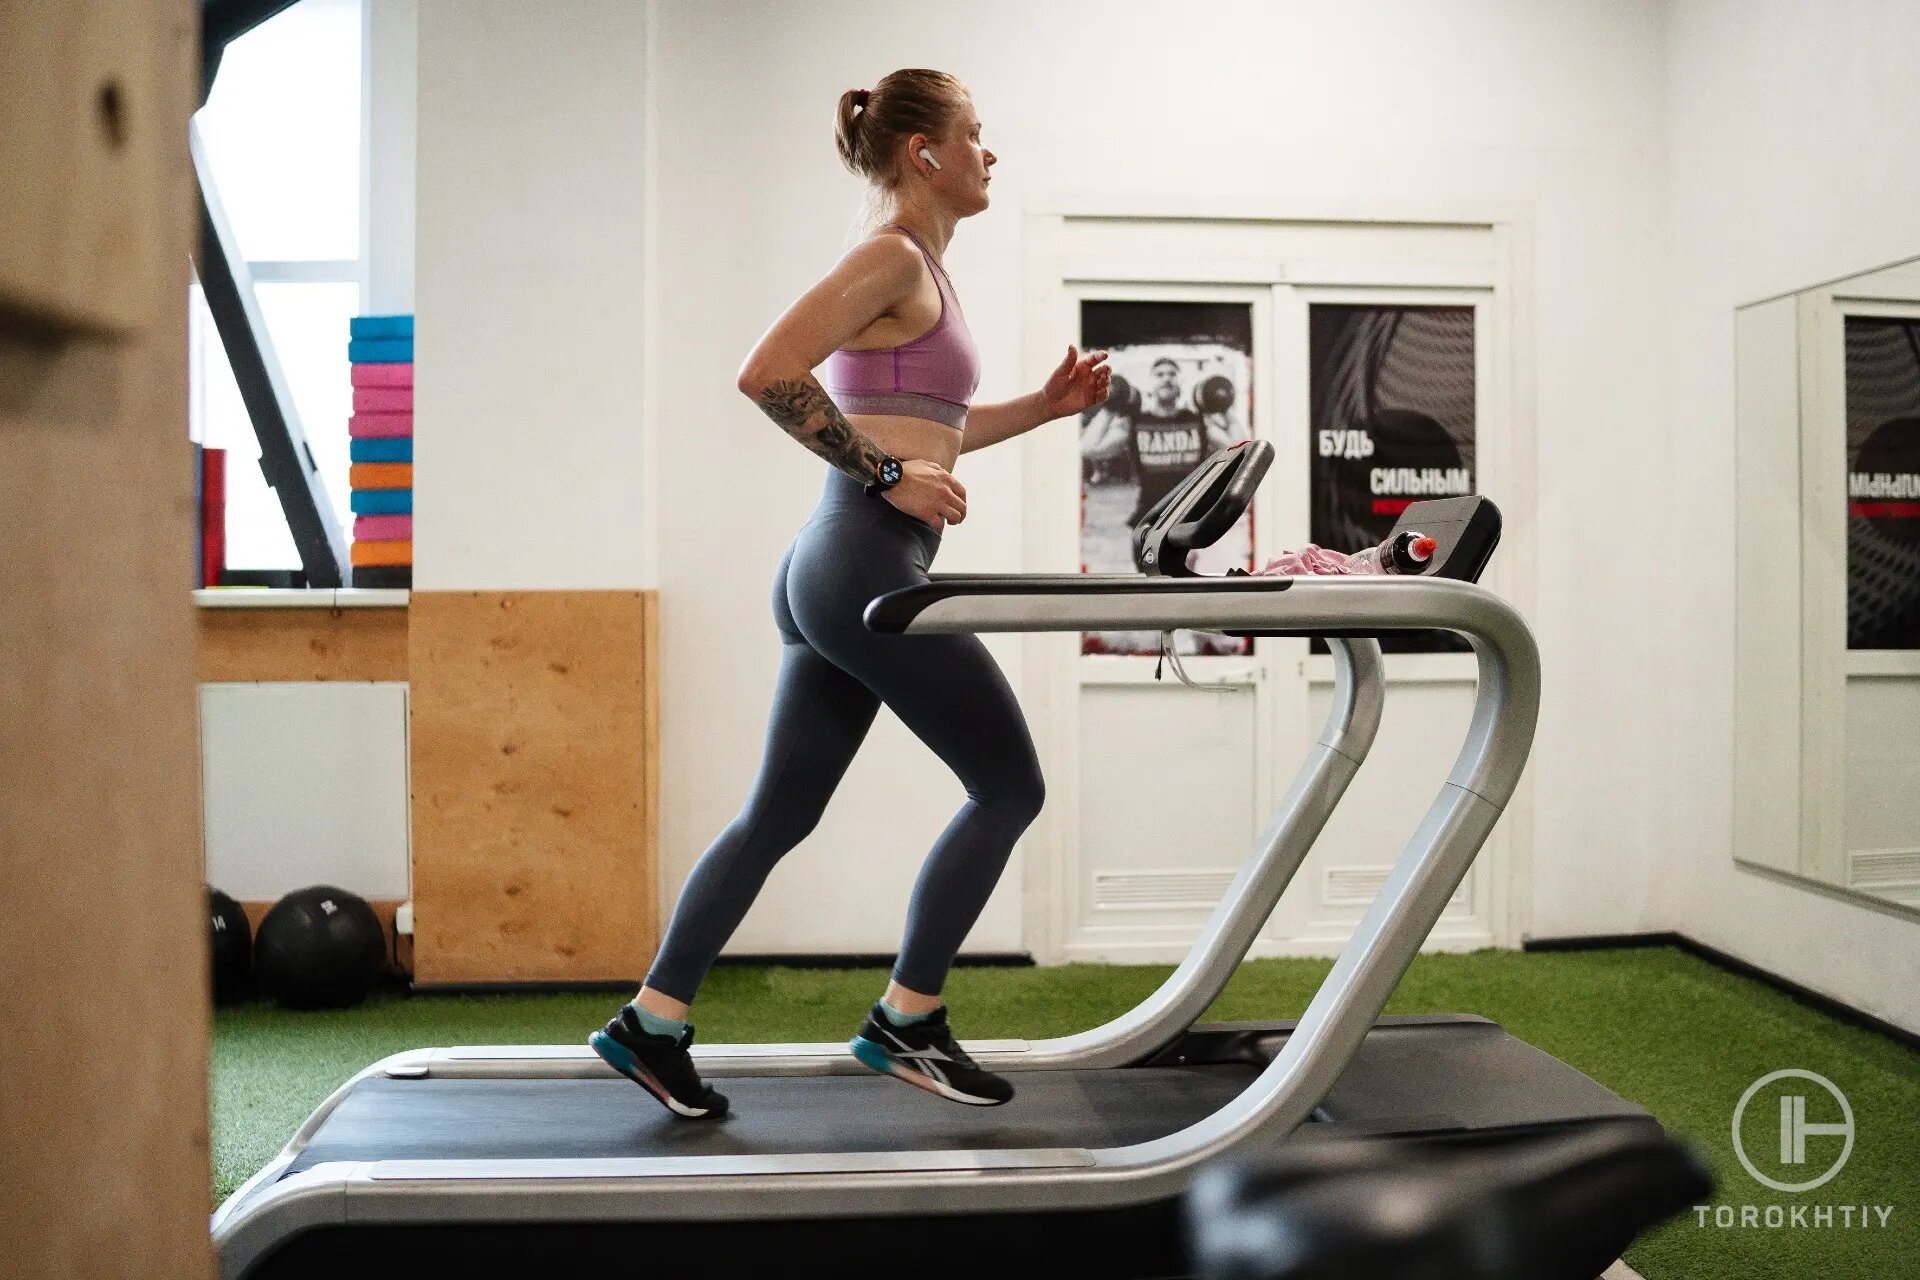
{"x":927,"y":1055}
{"x":659,"y":1064}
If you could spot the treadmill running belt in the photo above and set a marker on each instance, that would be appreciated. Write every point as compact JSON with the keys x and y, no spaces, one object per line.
{"x":430,"y":1119}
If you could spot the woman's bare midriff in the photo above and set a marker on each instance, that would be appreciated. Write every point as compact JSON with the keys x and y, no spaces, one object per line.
{"x":910,"y":439}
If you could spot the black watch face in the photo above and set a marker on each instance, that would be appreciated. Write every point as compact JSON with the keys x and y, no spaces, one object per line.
{"x":890,"y":472}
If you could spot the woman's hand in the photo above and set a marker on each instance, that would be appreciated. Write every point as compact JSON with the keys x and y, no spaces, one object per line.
{"x":1077,"y":385}
{"x":929,"y":493}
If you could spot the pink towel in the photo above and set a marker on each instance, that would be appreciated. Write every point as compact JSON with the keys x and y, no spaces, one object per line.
{"x":382,"y":528}
{"x":363,"y":426}
{"x":382,"y":375}
{"x":1308,"y":560}
{"x":383,"y":399}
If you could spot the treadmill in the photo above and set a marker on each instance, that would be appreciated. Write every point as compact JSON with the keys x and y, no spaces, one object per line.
{"x":500,"y":1159}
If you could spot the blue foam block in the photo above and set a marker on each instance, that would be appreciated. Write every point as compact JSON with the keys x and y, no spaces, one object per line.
{"x":380,"y":350}
{"x":382,"y":449}
{"x":381,"y":327}
{"x":382,"y":502}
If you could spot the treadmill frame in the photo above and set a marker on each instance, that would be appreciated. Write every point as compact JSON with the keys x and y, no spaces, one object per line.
{"x":268,"y":1209}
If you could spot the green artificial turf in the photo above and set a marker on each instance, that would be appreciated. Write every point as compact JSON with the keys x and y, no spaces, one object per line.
{"x":1656,"y":1025}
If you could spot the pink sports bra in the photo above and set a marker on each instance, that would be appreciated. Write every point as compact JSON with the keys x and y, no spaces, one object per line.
{"x":933,"y":377}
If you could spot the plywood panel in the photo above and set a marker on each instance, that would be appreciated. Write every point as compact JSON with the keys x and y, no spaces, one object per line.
{"x":532,"y":734}
{"x":303,"y":644}
{"x":103,"y":1156}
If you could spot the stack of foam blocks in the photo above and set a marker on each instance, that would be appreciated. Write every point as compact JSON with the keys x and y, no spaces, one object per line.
{"x":381,"y":431}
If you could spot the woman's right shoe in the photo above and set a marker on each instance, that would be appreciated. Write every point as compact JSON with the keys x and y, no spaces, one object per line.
{"x":659,"y":1064}
{"x":926,"y":1055}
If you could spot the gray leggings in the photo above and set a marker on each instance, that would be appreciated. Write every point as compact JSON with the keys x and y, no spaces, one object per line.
{"x":834,"y":674}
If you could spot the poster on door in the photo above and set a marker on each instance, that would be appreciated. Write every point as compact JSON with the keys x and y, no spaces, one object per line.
{"x":1182,"y":389}
{"x":1883,"y":482}
{"x":1392,"y":402}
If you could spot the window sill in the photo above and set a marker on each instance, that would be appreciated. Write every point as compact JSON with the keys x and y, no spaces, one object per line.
{"x":281,"y":598}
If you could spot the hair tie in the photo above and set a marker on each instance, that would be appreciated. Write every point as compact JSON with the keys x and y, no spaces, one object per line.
{"x":861,"y":97}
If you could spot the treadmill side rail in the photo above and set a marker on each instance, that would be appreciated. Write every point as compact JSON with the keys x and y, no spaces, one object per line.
{"x":314,"y":1198}
{"x":267,"y":1178}
{"x":741,"y":1166}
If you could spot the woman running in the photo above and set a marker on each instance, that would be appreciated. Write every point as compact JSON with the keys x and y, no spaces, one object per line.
{"x":891,"y":415}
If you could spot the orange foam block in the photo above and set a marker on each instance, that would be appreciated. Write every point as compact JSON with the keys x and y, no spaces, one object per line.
{"x":380,"y":475}
{"x":382,"y":555}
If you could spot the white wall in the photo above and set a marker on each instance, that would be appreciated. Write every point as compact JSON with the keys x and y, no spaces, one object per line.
{"x":532,"y":124}
{"x":1792,"y":132}
{"x":1554,"y":109}
{"x":305,"y":784}
{"x":392,"y":144}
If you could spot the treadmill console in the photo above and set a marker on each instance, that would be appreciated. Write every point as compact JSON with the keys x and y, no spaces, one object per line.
{"x":1467,"y":529}
{"x":1215,"y":494}
{"x":1198,"y":510}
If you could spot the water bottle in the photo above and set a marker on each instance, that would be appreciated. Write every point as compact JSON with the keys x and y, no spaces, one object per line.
{"x":1406,"y":552}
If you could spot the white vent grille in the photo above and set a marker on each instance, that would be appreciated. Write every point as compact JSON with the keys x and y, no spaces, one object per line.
{"x":1158,"y":890}
{"x":1359,"y":886}
{"x":1883,"y":868}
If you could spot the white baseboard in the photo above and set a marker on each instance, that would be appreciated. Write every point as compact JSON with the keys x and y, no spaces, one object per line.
{"x":1135,"y":950}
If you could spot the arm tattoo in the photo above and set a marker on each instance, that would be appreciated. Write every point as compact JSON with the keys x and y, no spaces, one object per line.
{"x":804,"y":412}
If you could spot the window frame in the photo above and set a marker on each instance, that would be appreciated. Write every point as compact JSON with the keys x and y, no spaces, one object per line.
{"x":357,"y":271}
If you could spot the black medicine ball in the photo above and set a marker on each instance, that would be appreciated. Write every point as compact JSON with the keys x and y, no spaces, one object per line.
{"x":232,"y":944}
{"x":319,"y":948}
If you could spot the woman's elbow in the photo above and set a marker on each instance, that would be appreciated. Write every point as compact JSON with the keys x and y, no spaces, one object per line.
{"x":751,"y":381}
{"x":760,"y":373}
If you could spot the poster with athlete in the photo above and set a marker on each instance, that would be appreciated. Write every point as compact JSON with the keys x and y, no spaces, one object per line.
{"x":1883,"y":482}
{"x":1391,"y":394}
{"x":1182,"y":388}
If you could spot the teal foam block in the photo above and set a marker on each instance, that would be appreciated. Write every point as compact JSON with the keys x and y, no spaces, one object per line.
{"x":381,"y":327}
{"x":380,"y":350}
{"x":376,"y":449}
{"x":381,"y":502}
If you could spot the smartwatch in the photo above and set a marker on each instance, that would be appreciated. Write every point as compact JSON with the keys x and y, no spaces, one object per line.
{"x":890,"y":472}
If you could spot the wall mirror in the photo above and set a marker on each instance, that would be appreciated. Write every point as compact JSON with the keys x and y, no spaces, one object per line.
{"x":1827,"y":568}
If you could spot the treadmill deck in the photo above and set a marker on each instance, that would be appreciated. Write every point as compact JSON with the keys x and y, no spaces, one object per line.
{"x":600,"y":1119}
{"x":1436,"y":1076}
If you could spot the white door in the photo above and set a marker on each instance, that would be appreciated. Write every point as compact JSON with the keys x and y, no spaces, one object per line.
{"x":1316,"y":337}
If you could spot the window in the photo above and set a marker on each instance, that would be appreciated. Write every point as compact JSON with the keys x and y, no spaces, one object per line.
{"x":284,"y":132}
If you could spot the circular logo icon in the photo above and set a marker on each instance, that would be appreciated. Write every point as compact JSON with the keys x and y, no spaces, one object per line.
{"x":1795,"y":1129}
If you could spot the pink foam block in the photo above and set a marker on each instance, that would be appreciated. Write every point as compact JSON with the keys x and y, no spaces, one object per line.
{"x":383,"y":399}
{"x":364,"y":426}
{"x":383,"y":528}
{"x":382,"y":375}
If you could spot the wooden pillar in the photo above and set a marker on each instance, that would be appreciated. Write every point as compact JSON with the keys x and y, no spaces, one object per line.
{"x":104,"y":1002}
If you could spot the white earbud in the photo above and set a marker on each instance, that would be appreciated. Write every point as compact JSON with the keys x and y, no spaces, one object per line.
{"x":928,"y":157}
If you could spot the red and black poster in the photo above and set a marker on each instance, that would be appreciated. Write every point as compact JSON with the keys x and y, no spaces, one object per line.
{"x":1883,"y":482}
{"x":1392,"y":396}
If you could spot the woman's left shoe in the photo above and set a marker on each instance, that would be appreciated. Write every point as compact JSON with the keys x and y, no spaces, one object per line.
{"x":925,"y":1053}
